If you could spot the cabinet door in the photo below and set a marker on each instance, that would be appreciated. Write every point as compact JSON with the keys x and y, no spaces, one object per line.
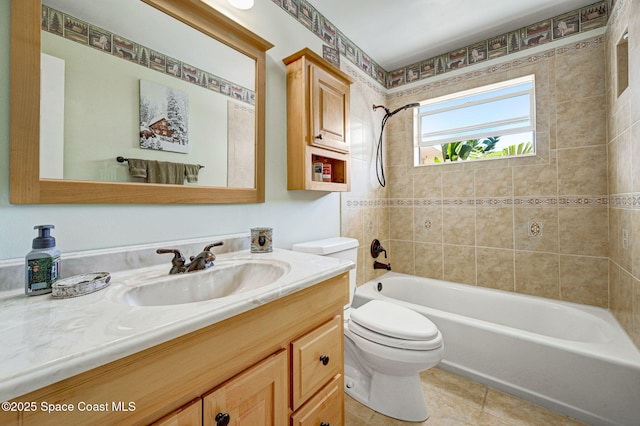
{"x":316,"y":358}
{"x":325,"y":408}
{"x":256,"y":397}
{"x":188,"y":415}
{"x":329,"y":111}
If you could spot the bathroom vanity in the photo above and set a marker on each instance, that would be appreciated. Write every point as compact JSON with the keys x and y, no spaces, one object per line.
{"x":272,"y":356}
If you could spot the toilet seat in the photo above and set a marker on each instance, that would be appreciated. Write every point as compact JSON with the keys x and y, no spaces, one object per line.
{"x":394,"y":326}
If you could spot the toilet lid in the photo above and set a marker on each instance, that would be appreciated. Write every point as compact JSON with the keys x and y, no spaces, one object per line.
{"x":381,"y":339}
{"x":395,"y":321}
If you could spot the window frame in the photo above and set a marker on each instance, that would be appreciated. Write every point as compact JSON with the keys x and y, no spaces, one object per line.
{"x":481,"y":132}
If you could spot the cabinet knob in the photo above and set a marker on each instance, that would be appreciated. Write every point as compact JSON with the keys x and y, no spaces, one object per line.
{"x":324,"y":359}
{"x":319,"y":136}
{"x":222,"y":419}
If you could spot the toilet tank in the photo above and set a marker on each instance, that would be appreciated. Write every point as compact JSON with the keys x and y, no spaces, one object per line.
{"x":338,"y":247}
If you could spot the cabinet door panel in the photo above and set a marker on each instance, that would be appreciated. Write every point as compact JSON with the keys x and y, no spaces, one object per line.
{"x":256,"y":397}
{"x":327,"y":407}
{"x":316,"y":358}
{"x":188,"y":415}
{"x":330,"y":111}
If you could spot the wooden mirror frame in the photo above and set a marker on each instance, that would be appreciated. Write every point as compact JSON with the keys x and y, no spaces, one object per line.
{"x":26,"y":186}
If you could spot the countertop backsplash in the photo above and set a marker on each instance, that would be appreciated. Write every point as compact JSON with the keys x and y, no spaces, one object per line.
{"x":12,"y":273}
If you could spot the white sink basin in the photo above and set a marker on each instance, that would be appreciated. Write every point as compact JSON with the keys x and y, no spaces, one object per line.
{"x":225,"y":278}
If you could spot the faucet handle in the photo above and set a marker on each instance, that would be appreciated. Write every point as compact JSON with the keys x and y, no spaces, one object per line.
{"x":177,"y":262}
{"x":376,"y":249}
{"x":216,"y":244}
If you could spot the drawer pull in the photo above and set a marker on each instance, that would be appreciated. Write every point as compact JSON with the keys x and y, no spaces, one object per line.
{"x":319,"y":136}
{"x":324,"y":359}
{"x":325,"y":424}
{"x":222,"y":419}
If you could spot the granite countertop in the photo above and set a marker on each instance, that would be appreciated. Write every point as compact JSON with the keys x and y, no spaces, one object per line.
{"x":45,"y":340}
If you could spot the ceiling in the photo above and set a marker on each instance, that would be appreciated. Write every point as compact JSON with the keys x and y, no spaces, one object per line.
{"x":395,"y":33}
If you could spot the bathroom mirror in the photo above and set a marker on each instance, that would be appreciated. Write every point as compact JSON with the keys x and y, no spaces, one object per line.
{"x":91,"y":143}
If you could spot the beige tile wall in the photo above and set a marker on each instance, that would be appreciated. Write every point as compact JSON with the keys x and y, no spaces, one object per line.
{"x":470,"y":223}
{"x":537,"y":225}
{"x":552,"y":225}
{"x":623,"y":144}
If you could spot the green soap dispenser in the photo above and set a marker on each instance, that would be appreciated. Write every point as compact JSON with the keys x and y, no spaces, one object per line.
{"x":42,"y":263}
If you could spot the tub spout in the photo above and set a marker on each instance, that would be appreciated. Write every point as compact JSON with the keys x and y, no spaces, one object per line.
{"x":380,"y":265}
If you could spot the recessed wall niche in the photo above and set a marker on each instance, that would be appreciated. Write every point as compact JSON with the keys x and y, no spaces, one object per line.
{"x":622,"y":63}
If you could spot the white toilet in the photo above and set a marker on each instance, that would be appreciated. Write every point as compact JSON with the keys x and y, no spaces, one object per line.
{"x":386,"y":346}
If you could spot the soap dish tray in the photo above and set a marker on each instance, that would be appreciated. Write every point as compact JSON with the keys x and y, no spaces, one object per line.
{"x":79,"y":285}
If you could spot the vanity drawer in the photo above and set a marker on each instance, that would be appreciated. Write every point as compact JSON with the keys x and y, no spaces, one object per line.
{"x":316,"y":358}
{"x":326,"y":408}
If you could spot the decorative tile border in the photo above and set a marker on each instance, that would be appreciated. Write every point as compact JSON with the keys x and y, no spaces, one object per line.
{"x":504,"y":66}
{"x":630,"y":200}
{"x":67,"y":26}
{"x":552,"y":29}
{"x":625,"y":201}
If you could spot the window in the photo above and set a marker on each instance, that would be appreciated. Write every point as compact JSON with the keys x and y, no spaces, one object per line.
{"x":493,"y":121}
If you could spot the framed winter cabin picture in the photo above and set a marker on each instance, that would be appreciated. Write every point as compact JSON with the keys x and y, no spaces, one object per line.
{"x":164,"y":113}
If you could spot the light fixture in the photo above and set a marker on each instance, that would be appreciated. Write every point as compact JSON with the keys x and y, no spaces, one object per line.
{"x":241,"y":4}
{"x":625,"y":36}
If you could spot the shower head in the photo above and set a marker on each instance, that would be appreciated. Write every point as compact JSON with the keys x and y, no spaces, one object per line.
{"x":389,"y":113}
{"x":407,"y":106}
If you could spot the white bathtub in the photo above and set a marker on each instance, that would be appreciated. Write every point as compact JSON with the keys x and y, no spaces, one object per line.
{"x":572,"y":358}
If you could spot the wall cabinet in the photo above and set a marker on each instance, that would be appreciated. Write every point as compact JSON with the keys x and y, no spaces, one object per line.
{"x":318,"y":102}
{"x":247,"y":367}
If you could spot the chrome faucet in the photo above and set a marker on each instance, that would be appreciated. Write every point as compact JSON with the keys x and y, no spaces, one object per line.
{"x":203,"y":260}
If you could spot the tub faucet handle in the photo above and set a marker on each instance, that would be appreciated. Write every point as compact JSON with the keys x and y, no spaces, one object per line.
{"x":376,"y":249}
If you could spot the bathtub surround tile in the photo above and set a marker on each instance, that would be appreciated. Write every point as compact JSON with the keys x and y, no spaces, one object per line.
{"x":458,"y":183}
{"x":352,"y":224}
{"x":429,"y":260}
{"x":579,"y":73}
{"x":399,"y":181}
{"x":401,"y":252}
{"x":621,"y":294}
{"x":456,"y":400}
{"x":539,"y":179}
{"x":622,"y":237}
{"x":493,"y":182}
{"x":536,"y":229}
{"x":582,"y":122}
{"x":619,"y":155}
{"x":401,"y":223}
{"x":635,"y":320}
{"x":635,"y":153}
{"x":584,"y":231}
{"x":460,"y":264}
{"x":496,"y":268}
{"x":494,"y":226}
{"x":427,"y":226}
{"x":587,"y":178}
{"x":427,"y":183}
{"x":634,"y":243}
{"x":537,"y":274}
{"x":458,"y":225}
{"x":584,"y":280}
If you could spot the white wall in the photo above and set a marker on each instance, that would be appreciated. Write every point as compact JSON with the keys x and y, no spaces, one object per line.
{"x":294,"y":215}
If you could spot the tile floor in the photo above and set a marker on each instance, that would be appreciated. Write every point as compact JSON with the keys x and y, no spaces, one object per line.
{"x":454,"y":400}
